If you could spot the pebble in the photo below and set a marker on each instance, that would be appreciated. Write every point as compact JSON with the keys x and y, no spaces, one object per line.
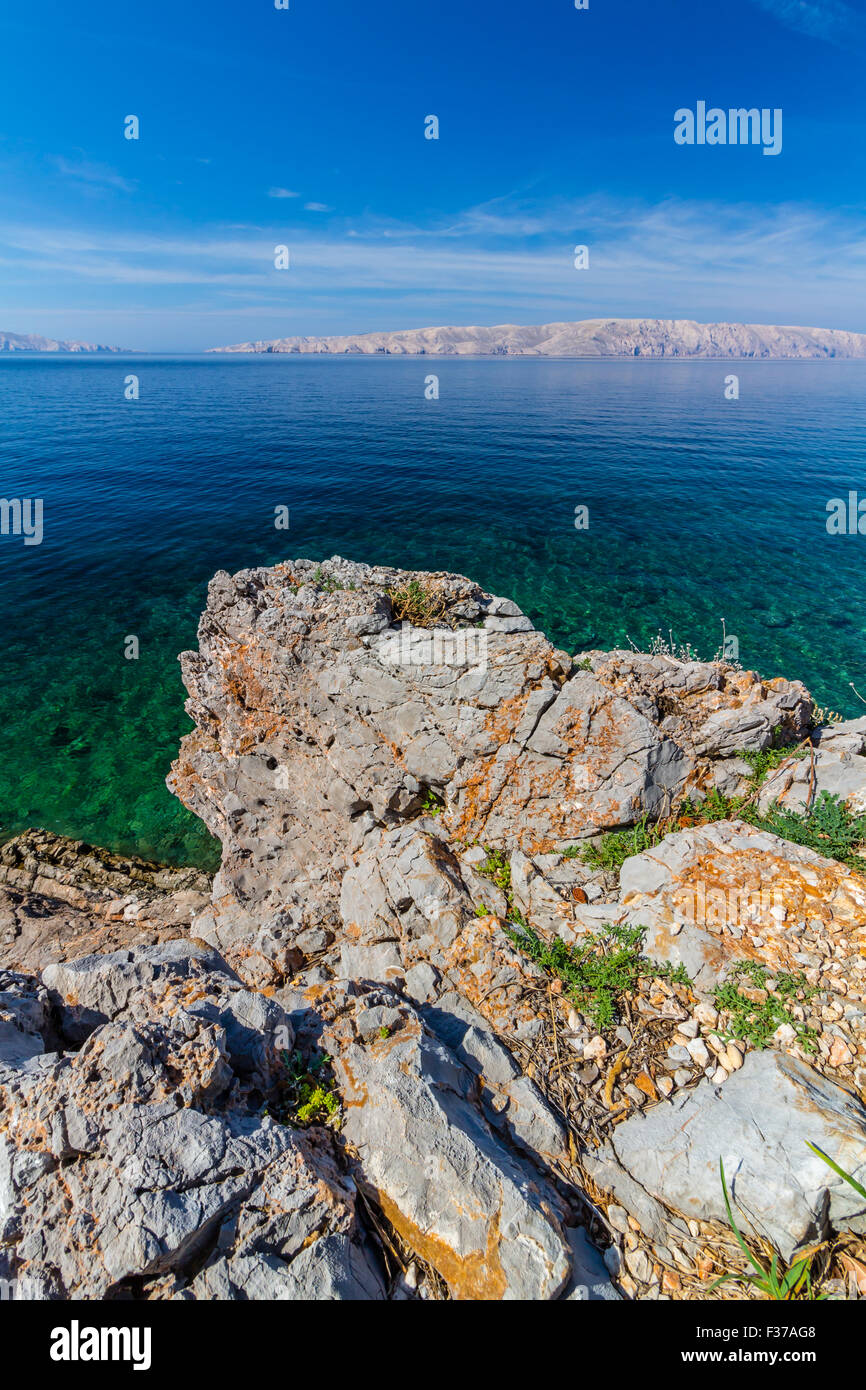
{"x":665,"y":1085}
{"x":840,"y":1054}
{"x":677,"y":1054}
{"x":634,"y":1094}
{"x":682,"y":1077}
{"x":618,"y":1218}
{"x":733,"y":1058}
{"x":612,"y":1260}
{"x":690,"y":1028}
{"x":624,"y":1034}
{"x":595,"y":1050}
{"x":785,"y":1034}
{"x":697,"y":1050}
{"x":707,"y":1015}
{"x":718,"y":1076}
{"x":587,"y":1075}
{"x":639,"y":1264}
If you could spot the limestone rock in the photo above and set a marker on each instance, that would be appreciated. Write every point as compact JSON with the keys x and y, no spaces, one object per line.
{"x":61,"y":898}
{"x":726,"y":891}
{"x":758,"y":1124}
{"x":322,"y":724}
{"x":441,"y":1175}
{"x":138,"y":1158}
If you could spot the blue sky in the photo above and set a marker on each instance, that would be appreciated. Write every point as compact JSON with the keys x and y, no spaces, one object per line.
{"x":306,"y":128}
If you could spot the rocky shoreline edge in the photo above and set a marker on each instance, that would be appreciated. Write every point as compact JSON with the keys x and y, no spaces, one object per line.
{"x":511,"y":956}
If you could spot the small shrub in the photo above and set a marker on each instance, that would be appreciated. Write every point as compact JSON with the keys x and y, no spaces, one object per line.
{"x":828,"y":827}
{"x":597,"y":975}
{"x":497,"y":867}
{"x":422,"y":605}
{"x":756,"y":1022}
{"x":306,"y":1095}
{"x":767,"y":760}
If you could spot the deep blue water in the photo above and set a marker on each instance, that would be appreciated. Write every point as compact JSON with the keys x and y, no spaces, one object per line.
{"x":700,"y":509}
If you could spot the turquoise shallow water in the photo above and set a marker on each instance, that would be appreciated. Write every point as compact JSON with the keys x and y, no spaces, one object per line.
{"x":700,"y":509}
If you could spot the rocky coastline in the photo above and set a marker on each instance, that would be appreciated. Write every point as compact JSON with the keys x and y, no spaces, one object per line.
{"x":511,"y":955}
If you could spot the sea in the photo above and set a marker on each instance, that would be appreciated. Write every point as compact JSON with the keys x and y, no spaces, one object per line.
{"x":613,"y":500}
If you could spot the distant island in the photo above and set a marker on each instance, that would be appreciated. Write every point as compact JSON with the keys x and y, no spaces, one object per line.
{"x":32,"y":342}
{"x":586,"y":338}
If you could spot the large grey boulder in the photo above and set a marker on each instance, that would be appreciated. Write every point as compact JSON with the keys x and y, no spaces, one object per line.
{"x":174,"y":975}
{"x":138,"y":1161}
{"x":323,"y":722}
{"x":758,"y":1123}
{"x":446,"y":1180}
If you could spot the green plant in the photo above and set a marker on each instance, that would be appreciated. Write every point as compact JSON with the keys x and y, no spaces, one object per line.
{"x":613,"y":849}
{"x":820,"y":715}
{"x":328,"y":582}
{"x":781,"y":1287}
{"x":857,"y":1186}
{"x":384,"y":1031}
{"x":497,"y":867}
{"x":585,"y":664}
{"x":767,"y":760}
{"x":319,"y":1107}
{"x":597,"y":975}
{"x":417,"y":603}
{"x":306,"y":1094}
{"x":433,"y":804}
{"x":755,"y":1021}
{"x":827,"y":826}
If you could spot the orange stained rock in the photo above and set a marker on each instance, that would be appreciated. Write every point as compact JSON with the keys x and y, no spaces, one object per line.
{"x":478,"y":1276}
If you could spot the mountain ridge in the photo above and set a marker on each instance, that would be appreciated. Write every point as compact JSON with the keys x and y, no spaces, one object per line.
{"x":34,"y":342}
{"x":582,"y":338}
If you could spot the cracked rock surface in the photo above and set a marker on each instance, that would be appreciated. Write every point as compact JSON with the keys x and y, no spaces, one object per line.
{"x":404,"y":776}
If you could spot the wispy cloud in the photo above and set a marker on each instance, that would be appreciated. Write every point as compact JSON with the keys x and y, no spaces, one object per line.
{"x":511,"y":259}
{"x":282,"y":193}
{"x":86,"y":172}
{"x":317,"y":207}
{"x":831,"y":20}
